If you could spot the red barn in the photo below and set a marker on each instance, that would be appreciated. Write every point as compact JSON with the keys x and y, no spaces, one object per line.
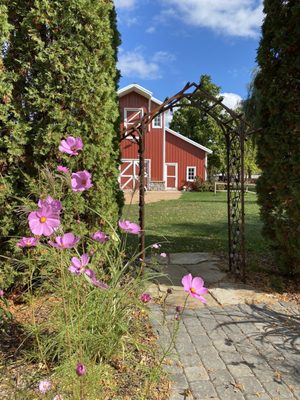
{"x":171,"y":159}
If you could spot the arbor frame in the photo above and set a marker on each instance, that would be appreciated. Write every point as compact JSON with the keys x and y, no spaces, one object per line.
{"x":236,"y":131}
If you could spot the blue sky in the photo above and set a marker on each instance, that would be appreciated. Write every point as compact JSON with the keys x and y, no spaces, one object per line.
{"x":166,"y":43}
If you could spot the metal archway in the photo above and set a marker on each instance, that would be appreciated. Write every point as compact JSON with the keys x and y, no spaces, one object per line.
{"x":235,"y":130}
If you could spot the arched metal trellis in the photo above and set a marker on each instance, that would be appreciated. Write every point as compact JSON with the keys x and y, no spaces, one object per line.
{"x":235,"y":130}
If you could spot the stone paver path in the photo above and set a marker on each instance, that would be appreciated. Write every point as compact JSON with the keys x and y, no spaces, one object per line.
{"x":228,"y":350}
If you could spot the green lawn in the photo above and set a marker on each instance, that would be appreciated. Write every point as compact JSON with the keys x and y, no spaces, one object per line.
{"x":197,"y":222}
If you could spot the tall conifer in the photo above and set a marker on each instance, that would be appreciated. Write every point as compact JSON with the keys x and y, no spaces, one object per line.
{"x":59,"y":79}
{"x":277,"y":106}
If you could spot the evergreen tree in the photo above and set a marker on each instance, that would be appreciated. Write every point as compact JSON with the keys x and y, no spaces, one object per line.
{"x":276,"y":105}
{"x":200,"y":127}
{"x":59,"y":79}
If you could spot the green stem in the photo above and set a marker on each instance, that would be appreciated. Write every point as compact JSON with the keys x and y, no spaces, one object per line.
{"x":32,"y":311}
{"x":174,"y":335}
{"x":65,"y":306}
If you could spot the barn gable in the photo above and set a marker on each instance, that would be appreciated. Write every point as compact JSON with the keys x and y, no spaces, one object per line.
{"x":171,"y":158}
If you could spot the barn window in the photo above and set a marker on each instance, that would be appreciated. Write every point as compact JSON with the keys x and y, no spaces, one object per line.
{"x":190,"y":173}
{"x":157,"y":121}
{"x":132,"y":115}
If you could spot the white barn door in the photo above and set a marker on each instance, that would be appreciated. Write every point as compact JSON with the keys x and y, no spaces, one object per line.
{"x":129,"y":174}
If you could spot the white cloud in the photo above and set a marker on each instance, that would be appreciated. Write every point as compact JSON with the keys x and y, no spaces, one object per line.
{"x":168,"y":118}
{"x":230,"y":17}
{"x":231,"y":100}
{"x":129,"y":21}
{"x":133,"y":64}
{"x":163,"y":57}
{"x":124,"y":3}
{"x":151,"y":29}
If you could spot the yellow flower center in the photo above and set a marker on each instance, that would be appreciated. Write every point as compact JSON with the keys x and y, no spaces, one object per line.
{"x":28,"y":243}
{"x":193,"y":290}
{"x":43,"y":220}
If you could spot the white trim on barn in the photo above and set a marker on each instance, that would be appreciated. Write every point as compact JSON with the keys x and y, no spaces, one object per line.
{"x":140,"y":90}
{"x":159,"y":119}
{"x":175,"y":164}
{"x":137,"y":88}
{"x":156,"y":101}
{"x":164,"y":152}
{"x":188,"y":173}
{"x":138,"y":111}
{"x":134,"y":176}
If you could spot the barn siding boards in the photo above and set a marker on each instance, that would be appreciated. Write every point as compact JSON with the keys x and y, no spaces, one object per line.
{"x":163,"y":146}
{"x":185,"y":155}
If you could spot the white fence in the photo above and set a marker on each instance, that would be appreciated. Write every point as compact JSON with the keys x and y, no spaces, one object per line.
{"x":248,"y":187}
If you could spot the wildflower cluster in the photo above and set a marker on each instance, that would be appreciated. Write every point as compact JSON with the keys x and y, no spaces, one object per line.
{"x":75,"y":252}
{"x":91,"y":307}
{"x":46,"y":220}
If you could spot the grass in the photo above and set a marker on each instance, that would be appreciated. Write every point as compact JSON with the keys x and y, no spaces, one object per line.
{"x":197,"y":222}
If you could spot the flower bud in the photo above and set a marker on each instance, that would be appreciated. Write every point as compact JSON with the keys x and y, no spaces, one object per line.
{"x":80,"y":369}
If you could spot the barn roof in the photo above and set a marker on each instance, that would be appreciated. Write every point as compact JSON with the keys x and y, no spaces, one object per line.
{"x":189,"y":140}
{"x":134,"y":87}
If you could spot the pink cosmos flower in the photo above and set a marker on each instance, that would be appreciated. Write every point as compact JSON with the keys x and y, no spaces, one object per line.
{"x":81,"y":181}
{"x":156,"y":246}
{"x":194,"y":286}
{"x":100,"y":237}
{"x":44,"y":221}
{"x":80,"y":369}
{"x":164,"y":255}
{"x":61,"y":168}
{"x":54,"y":204}
{"x":71,"y":145}
{"x":28,"y":242}
{"x":129,"y":227}
{"x":1,"y":293}
{"x":67,"y":241}
{"x":93,"y":280}
{"x":78,"y":265}
{"x":44,"y":386}
{"x":145,"y":297}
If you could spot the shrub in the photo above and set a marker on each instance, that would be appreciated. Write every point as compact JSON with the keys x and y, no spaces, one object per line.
{"x":198,"y":185}
{"x":276,"y":104}
{"x":59,"y":79}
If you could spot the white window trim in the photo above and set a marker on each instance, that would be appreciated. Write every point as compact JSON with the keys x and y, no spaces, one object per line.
{"x":157,"y":126}
{"x":187,"y":173}
{"x":141,"y":110}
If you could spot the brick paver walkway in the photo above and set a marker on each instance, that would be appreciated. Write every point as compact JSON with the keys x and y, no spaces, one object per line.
{"x":231,"y":352}
{"x":234,"y":352}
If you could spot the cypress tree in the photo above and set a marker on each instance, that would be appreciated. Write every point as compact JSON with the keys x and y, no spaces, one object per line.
{"x":60,"y":79}
{"x":276,"y":89}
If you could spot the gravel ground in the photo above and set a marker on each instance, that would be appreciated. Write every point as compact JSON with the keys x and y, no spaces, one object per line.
{"x":151,"y":197}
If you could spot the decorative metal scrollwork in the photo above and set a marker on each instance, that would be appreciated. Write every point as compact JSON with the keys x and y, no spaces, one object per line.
{"x":235,"y":131}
